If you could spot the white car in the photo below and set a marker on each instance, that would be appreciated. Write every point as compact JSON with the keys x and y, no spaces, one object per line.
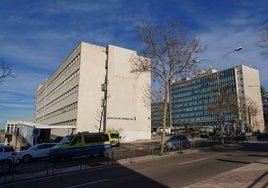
{"x":8,"y":158}
{"x":36,"y":151}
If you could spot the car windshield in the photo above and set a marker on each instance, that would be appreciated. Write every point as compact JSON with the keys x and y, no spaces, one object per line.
{"x":66,"y":139}
{"x":114,"y":135}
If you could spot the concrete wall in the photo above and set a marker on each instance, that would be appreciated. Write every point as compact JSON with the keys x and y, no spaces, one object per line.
{"x":126,"y":109}
{"x":252,"y":91}
{"x":92,"y":71}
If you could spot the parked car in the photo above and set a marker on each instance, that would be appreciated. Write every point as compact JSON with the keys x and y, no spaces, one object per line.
{"x":8,"y":158}
{"x":177,"y":141}
{"x":36,"y":151}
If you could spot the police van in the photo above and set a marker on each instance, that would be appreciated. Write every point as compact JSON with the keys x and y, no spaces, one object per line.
{"x":114,"y":138}
{"x":81,"y":144}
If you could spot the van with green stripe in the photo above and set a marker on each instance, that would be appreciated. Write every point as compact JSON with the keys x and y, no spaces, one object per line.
{"x":81,"y":144}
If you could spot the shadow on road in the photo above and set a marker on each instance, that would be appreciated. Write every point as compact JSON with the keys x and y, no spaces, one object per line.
{"x":232,"y":161}
{"x":253,"y":184}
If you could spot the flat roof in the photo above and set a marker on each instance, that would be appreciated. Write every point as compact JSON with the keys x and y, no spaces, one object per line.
{"x":42,"y":126}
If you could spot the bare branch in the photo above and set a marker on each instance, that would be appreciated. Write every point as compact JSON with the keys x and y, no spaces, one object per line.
{"x":5,"y":72}
{"x":263,"y":43}
{"x":169,"y":55}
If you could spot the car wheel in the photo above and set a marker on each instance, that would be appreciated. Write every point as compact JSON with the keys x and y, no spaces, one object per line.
{"x":26,"y":158}
{"x":173,"y":147}
{"x":5,"y":166}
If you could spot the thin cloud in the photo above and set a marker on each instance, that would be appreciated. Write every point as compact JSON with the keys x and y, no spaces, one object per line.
{"x":37,"y":36}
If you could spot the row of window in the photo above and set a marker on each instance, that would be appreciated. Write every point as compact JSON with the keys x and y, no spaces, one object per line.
{"x":181,"y":108}
{"x":59,"y":111}
{"x":11,"y":127}
{"x":195,"y":83}
{"x":202,"y":91}
{"x":202,"y":115}
{"x":68,"y":122}
{"x":191,"y":100}
{"x":61,"y":73}
{"x":227,"y":117}
{"x":60,"y":98}
{"x":63,"y":83}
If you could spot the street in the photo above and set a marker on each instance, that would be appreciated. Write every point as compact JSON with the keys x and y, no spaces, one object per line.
{"x":173,"y":170}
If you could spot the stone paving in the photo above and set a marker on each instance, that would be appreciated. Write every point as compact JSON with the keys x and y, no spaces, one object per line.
{"x":254,"y":175}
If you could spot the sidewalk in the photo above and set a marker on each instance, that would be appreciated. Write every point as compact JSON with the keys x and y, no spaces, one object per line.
{"x":254,"y":175}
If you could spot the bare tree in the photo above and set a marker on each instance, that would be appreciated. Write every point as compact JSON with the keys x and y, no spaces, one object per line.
{"x":170,"y":54}
{"x":5,"y":72}
{"x":241,"y":109}
{"x":224,"y":108}
{"x":99,"y":118}
{"x":252,"y":110}
{"x":265,"y":108}
{"x":263,"y":43}
{"x":248,"y":112}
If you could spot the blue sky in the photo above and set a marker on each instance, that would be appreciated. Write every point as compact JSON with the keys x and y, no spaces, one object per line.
{"x":36,"y":36}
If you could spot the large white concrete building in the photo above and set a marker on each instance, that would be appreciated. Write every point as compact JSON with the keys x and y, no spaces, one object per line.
{"x":74,"y":95}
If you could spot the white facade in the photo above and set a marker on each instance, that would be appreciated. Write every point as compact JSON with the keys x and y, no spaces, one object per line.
{"x":73,"y":95}
{"x":11,"y":125}
{"x":248,"y":84}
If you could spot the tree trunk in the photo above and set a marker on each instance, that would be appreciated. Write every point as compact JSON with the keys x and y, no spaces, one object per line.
{"x":170,"y":104}
{"x":163,"y":137}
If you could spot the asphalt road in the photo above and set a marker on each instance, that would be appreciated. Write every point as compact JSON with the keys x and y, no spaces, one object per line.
{"x":174,"y":170}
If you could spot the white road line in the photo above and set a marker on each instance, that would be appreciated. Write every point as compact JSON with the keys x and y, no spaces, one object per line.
{"x":193,"y":161}
{"x":89,"y":183}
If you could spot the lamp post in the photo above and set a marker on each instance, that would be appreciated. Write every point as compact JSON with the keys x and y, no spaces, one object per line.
{"x":219,"y":116}
{"x":218,"y":87}
{"x":235,"y":50}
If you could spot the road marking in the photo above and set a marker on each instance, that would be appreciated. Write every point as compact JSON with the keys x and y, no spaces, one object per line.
{"x":193,"y":161}
{"x":59,"y":175}
{"x":89,"y":183}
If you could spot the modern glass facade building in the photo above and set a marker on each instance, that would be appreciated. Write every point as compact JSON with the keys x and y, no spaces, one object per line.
{"x":157,"y":115}
{"x":192,"y":98}
{"x":265,"y":109}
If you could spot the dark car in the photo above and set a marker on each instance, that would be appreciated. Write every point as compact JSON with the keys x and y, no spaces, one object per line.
{"x":177,"y":142}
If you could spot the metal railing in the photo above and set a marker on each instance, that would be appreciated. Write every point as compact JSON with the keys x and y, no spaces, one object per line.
{"x":126,"y":152}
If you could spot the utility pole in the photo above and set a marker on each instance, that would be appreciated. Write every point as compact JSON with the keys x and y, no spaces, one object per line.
{"x":104,"y":88}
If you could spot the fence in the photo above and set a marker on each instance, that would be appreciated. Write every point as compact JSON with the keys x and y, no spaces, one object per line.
{"x":127,"y":152}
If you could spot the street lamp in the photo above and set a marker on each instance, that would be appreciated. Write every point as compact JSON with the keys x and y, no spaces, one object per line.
{"x":218,"y":88}
{"x":235,"y":50}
